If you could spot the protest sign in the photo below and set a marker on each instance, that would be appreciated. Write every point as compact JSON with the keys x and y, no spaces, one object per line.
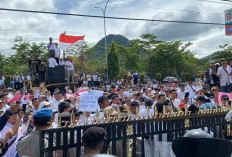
{"x":89,"y":101}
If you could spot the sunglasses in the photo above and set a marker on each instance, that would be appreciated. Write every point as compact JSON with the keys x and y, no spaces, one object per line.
{"x":14,"y":114}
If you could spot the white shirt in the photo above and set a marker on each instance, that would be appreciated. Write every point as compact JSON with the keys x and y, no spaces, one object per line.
{"x":175,"y":103}
{"x":11,"y":151}
{"x":62,"y":63}
{"x":52,"y":62}
{"x":191,"y":92}
{"x":21,"y":79}
{"x":68,"y":63}
{"x":2,"y":81}
{"x":52,"y":46}
{"x":144,"y":112}
{"x":225,"y":77}
{"x":54,"y":104}
{"x":28,"y":77}
{"x":94,"y":77}
{"x":127,"y":94}
{"x":180,"y":95}
{"x":57,"y":52}
{"x":6,"y":107}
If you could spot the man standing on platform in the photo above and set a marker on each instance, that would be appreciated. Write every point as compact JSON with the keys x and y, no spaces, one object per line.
{"x":52,"y":63}
{"x":70,"y":70}
{"x":51,"y":47}
{"x":57,"y":53}
{"x":21,"y":81}
{"x":16,"y":80}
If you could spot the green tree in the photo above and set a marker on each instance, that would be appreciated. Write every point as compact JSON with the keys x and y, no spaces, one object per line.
{"x":18,"y":62}
{"x":113,"y":62}
{"x":2,"y":61}
{"x":226,"y":52}
{"x":171,"y":57}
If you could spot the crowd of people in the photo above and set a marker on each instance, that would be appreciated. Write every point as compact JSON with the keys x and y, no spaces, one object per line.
{"x":25,"y":113}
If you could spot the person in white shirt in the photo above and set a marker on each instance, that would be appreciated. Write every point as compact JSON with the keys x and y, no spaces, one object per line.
{"x":223,"y":73}
{"x":82,"y":87}
{"x":192,"y":90}
{"x":61,"y":62}
{"x":173,"y":99}
{"x":57,"y":99}
{"x":127,"y":93}
{"x":145,"y":92}
{"x":16,"y":80}
{"x":13,"y":123}
{"x":70,"y":70}
{"x":57,"y":53}
{"x":51,"y":47}
{"x":35,"y":104}
{"x":148,"y":106}
{"x":162,"y":90}
{"x":2,"y":80}
{"x":3,"y":100}
{"x":51,"y":64}
{"x":21,"y":80}
{"x":199,"y":86}
{"x":181,"y":92}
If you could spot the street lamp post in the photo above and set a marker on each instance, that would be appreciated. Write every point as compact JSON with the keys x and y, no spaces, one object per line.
{"x":104,"y":15}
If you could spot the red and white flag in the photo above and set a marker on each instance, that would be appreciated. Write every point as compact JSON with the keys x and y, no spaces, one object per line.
{"x":66,"y":41}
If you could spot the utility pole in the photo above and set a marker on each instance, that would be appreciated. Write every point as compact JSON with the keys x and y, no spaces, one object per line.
{"x":106,"y":52}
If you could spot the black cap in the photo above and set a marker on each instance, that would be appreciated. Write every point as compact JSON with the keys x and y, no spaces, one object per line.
{"x":134,"y":103}
{"x":224,"y":96}
{"x":148,"y":101}
{"x":223,"y":59}
{"x":93,"y":135}
{"x":201,"y":98}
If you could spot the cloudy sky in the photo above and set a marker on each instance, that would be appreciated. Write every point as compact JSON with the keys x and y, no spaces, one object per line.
{"x":39,"y":27}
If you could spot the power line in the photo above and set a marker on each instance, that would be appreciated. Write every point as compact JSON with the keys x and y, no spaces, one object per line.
{"x":110,"y":17}
{"x":215,"y":2}
{"x":166,"y":9}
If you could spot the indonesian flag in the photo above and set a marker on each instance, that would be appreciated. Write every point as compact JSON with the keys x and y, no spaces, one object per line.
{"x":66,"y":41}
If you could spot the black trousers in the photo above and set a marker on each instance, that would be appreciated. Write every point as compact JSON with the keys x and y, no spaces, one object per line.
{"x":90,"y":84}
{"x":41,"y":76}
{"x":17,"y":86}
{"x":57,"y":60}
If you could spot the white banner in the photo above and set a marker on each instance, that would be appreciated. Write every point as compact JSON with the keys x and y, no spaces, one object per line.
{"x":89,"y":101}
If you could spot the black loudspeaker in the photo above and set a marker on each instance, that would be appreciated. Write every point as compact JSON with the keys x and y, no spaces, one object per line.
{"x":59,"y":75}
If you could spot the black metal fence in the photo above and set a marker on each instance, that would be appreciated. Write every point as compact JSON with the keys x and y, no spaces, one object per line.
{"x":128,"y":136}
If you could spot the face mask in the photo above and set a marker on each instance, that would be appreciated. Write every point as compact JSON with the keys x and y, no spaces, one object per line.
{"x":130,"y":90}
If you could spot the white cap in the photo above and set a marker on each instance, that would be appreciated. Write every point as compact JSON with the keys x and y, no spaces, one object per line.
{"x":44,"y":103}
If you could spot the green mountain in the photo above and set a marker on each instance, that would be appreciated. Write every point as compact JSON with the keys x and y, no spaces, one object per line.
{"x":209,"y":57}
{"x":119,"y":39}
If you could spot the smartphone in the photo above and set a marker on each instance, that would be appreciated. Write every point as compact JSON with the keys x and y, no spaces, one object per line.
{"x":186,"y":95}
